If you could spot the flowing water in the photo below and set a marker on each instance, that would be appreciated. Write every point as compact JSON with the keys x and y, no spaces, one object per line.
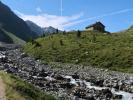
{"x":126,"y":95}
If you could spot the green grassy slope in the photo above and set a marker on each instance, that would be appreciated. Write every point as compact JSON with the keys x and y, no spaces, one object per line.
{"x":4,"y":37}
{"x":92,"y":48}
{"x":8,"y":37}
{"x":16,"y":89}
{"x":14,"y":38}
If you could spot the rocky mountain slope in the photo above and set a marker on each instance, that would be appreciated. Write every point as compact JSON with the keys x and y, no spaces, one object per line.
{"x":50,"y":30}
{"x":13,"y":24}
{"x":34,"y":27}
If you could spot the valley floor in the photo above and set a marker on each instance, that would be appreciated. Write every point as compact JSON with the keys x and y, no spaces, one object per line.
{"x":68,"y":81}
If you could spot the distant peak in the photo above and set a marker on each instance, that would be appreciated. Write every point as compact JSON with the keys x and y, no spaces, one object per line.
{"x":132,"y":26}
{"x":50,"y":27}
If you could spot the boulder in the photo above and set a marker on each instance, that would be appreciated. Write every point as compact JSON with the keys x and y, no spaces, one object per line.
{"x":67,"y":85}
{"x":75,"y":76}
{"x":99,"y":83}
{"x":118,"y":97}
{"x":43,"y":74}
{"x":107,"y":93}
{"x":59,"y":77}
{"x":81,"y":93}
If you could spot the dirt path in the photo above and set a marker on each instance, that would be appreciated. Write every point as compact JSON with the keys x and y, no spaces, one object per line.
{"x":2,"y":90}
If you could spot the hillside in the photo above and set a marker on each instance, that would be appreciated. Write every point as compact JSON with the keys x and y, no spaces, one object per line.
{"x":10,"y":22}
{"x":8,"y":37}
{"x":15,"y":39}
{"x":4,"y":37}
{"x":113,"y":51}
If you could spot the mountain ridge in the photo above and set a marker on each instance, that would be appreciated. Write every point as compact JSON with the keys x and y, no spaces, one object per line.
{"x":34,"y":27}
{"x":41,"y":30}
{"x":10,"y":22}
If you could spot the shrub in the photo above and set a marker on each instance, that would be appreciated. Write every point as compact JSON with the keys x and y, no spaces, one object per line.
{"x":61,"y":42}
{"x":78,"y":33}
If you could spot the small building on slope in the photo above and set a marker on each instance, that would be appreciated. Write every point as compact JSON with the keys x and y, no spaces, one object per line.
{"x":98,"y":26}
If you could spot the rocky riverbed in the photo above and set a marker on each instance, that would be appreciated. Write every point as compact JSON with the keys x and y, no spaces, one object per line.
{"x":67,"y":81}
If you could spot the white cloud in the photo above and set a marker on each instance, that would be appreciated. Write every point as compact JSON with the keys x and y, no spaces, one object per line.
{"x":97,"y":17}
{"x":38,"y":9}
{"x":45,"y":20}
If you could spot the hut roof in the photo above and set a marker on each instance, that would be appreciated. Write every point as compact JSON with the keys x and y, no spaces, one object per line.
{"x":97,"y":23}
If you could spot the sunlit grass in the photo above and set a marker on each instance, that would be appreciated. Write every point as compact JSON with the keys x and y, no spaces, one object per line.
{"x":107,"y":51}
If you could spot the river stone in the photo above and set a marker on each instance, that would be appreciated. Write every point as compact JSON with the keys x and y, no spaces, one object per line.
{"x":118,"y":97}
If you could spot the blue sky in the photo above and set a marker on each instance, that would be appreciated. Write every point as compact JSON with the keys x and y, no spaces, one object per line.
{"x":76,"y":14}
